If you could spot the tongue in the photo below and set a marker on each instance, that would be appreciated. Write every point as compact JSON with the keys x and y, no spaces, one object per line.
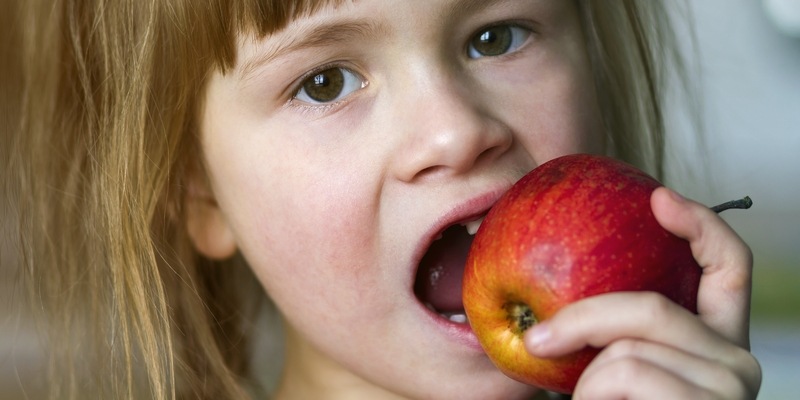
{"x":442,"y":269}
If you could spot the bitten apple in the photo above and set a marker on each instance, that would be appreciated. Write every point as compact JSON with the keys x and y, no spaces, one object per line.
{"x":574,"y":227}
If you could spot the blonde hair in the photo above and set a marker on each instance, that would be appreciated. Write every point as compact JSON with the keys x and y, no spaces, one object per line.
{"x":107,"y":136}
{"x":635,"y":56}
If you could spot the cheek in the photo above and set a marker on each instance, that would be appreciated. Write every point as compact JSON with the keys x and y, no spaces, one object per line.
{"x":569,"y":119}
{"x":553,"y":106}
{"x":306,"y":232}
{"x":302,"y":210}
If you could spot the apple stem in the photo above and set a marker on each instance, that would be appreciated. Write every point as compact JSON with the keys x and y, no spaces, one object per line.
{"x":743,"y":204}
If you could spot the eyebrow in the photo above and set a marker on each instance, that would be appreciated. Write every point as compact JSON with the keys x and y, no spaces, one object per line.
{"x":331,"y":33}
{"x":317,"y":36}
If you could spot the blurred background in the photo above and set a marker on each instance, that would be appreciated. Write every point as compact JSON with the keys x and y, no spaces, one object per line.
{"x":746,"y":61}
{"x":748,"y":58}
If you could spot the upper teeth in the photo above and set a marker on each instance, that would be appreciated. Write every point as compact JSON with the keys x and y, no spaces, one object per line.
{"x":473,"y":226}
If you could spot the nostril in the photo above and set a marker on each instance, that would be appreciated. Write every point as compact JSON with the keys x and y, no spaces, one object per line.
{"x":490,"y":154}
{"x":485,"y":156}
{"x":431,"y":172}
{"x":499,"y":141}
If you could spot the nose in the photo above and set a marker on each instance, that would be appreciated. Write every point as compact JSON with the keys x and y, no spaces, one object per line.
{"x":448,"y":130}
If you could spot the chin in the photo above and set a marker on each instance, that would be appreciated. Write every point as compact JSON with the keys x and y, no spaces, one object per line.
{"x":445,"y":370}
{"x":490,"y":386}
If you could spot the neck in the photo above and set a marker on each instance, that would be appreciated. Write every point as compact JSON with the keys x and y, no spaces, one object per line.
{"x":310,"y":374}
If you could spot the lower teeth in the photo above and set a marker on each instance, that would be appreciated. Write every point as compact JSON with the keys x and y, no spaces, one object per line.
{"x":458,"y":318}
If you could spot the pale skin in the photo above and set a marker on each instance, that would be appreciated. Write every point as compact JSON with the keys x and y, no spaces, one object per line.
{"x":332,"y":202}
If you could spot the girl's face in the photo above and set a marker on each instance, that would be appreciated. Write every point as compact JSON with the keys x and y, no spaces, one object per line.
{"x":340,"y":148}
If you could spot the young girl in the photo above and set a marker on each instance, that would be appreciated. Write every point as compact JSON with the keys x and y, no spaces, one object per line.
{"x":180,"y":158}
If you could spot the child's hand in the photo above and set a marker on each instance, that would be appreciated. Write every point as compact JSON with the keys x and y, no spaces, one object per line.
{"x":655,"y":348}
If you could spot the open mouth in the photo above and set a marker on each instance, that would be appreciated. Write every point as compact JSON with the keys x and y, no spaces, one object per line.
{"x":441,"y":271}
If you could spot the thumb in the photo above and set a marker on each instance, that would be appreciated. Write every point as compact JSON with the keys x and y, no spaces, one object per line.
{"x":723,"y":300}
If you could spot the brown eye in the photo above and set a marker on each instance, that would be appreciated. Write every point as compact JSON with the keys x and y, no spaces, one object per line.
{"x":497,"y":40}
{"x":329,"y":85}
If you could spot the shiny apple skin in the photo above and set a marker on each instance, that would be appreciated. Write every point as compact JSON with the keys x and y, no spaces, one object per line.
{"x":576,"y":226}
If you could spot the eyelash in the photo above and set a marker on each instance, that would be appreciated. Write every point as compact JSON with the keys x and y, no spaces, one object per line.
{"x":514,"y":26}
{"x":323,"y":106}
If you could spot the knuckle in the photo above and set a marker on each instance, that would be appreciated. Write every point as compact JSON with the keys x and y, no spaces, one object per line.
{"x":612,"y":376}
{"x":656,"y":306}
{"x":756,"y":375}
{"x":730,"y":386}
{"x":736,"y":281}
{"x":748,"y":373}
{"x":741,"y":379}
{"x":626,"y":369}
{"x":622,"y":348}
{"x":739,"y":278}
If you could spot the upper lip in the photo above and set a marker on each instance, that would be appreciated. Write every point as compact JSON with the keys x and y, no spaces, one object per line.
{"x":467,"y":211}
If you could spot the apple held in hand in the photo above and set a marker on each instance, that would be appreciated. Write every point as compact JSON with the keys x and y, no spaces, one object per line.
{"x":574,"y":227}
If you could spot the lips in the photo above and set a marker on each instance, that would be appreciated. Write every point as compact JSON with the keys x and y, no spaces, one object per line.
{"x":439,"y":274}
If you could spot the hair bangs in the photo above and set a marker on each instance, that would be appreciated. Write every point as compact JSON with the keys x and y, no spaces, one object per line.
{"x":224,"y":22}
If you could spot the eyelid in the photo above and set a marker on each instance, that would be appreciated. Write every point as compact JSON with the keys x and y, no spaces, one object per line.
{"x":513,"y":24}
{"x":297,"y":86}
{"x":527,"y":25}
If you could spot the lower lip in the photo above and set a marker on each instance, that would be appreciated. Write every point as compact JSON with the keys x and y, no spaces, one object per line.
{"x":459,"y":333}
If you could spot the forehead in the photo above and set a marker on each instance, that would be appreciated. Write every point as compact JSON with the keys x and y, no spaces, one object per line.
{"x":263,"y":17}
{"x":222,"y":23}
{"x":327,"y":21}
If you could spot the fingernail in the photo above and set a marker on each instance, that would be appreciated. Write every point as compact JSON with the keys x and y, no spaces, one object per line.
{"x":537,"y":336}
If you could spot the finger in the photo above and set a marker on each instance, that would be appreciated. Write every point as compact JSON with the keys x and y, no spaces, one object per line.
{"x":641,"y":315}
{"x":632,"y":379}
{"x":699,"y":371}
{"x":724,"y":297}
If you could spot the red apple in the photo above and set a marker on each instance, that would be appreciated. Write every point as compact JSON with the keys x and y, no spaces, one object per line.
{"x":574,"y":227}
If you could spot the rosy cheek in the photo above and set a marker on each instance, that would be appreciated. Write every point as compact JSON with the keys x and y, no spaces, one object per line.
{"x":316,"y":226}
